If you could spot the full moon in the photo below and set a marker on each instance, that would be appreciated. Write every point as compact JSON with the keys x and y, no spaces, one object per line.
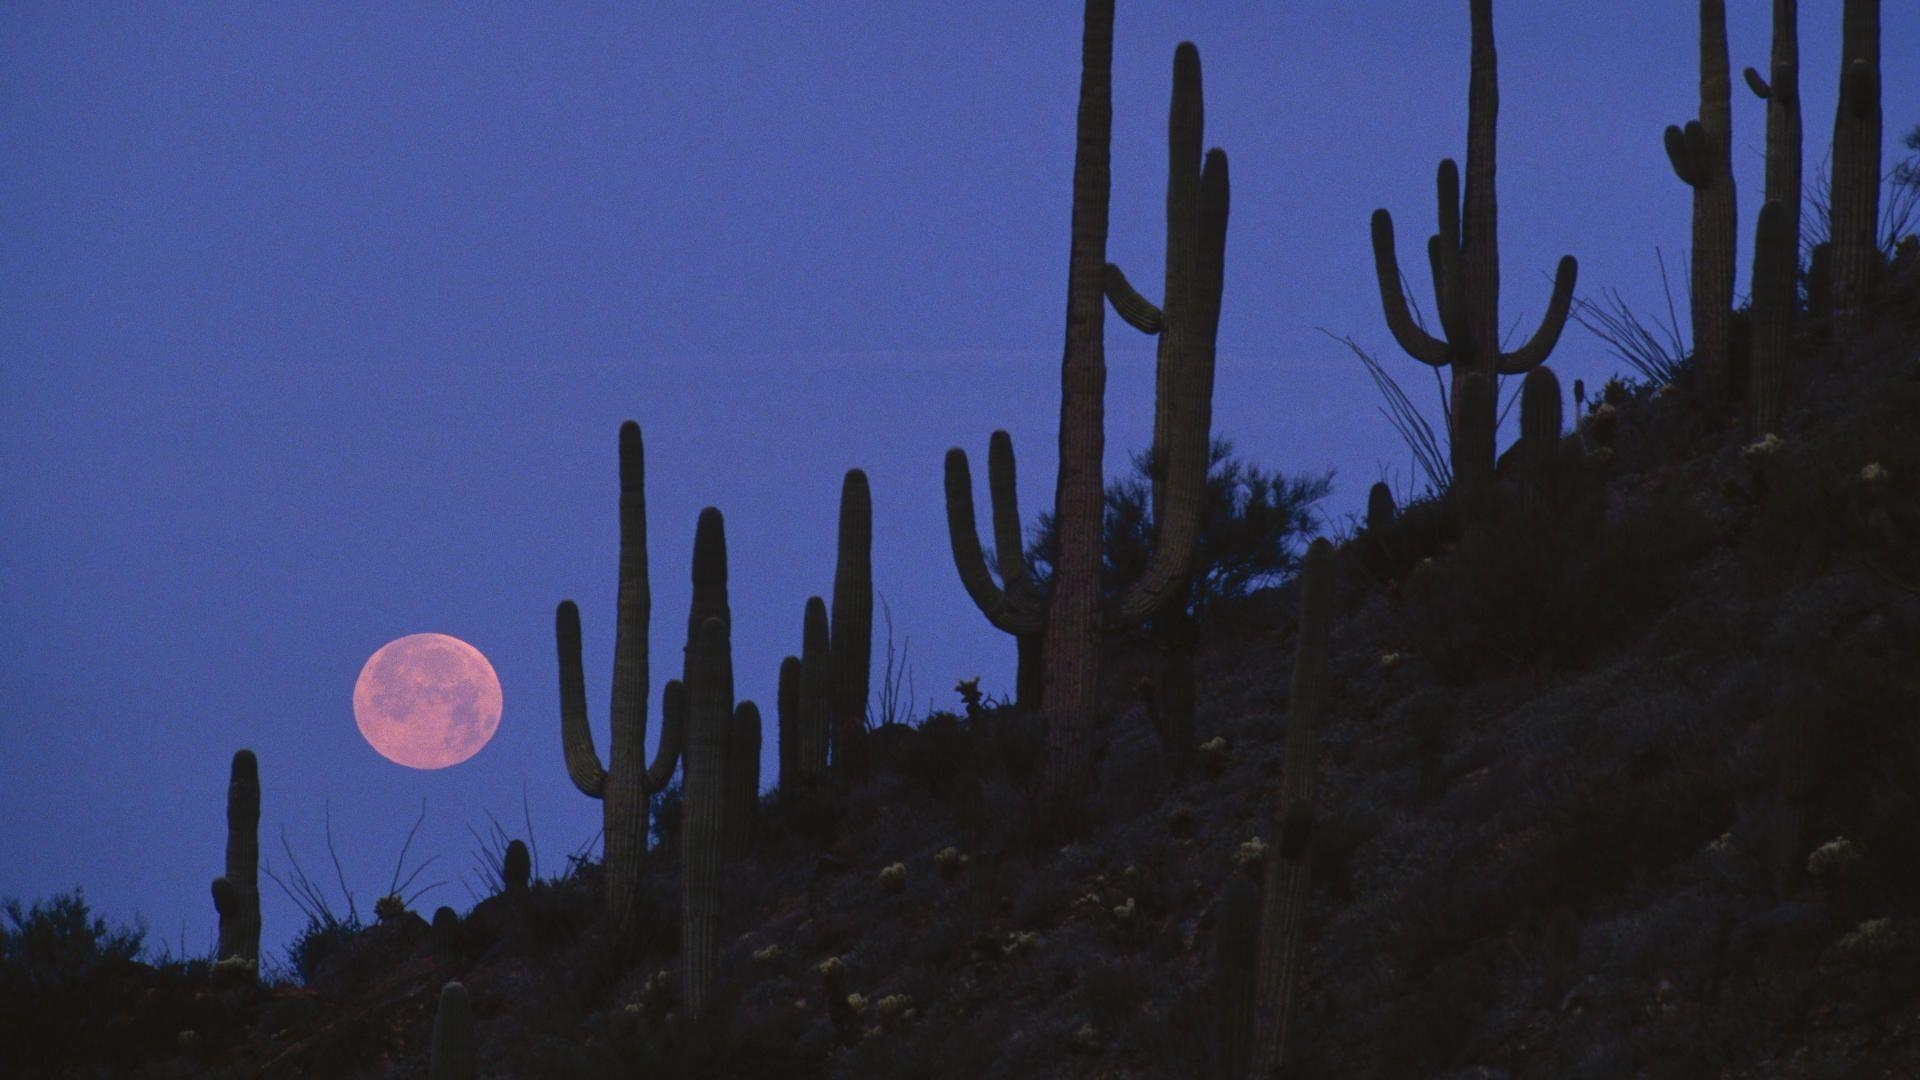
{"x":427,"y":701}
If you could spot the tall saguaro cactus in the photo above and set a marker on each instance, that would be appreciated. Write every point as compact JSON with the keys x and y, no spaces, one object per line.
{"x":1187,"y":323}
{"x":787,"y":717}
{"x":709,"y":686}
{"x":743,"y":779}
{"x":1465,"y":260}
{"x":1774,"y":245}
{"x":1855,"y":205}
{"x":1074,"y":614}
{"x":1284,"y":915}
{"x":236,"y":894}
{"x":625,"y":783}
{"x":1702,"y":157}
{"x":816,"y":688}
{"x":1781,"y":91}
{"x":852,"y":629}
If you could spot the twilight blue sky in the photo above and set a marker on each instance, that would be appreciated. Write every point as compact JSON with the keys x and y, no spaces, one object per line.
{"x":317,"y":323}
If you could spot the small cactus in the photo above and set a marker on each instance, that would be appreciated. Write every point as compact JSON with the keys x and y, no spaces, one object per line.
{"x":516,"y":870}
{"x":894,"y":878}
{"x":951,"y":863}
{"x":1251,"y":857}
{"x":389,"y":907}
{"x":453,"y":1055}
{"x":852,"y":630}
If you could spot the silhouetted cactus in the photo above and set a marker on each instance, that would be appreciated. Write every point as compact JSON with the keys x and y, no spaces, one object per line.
{"x":623,"y":787}
{"x":1855,"y":203}
{"x":236,"y":894}
{"x":1781,"y":92}
{"x":1540,"y":424}
{"x":516,"y":871}
{"x":703,"y":816}
{"x":453,"y":1055}
{"x":816,"y":688}
{"x":445,"y":935}
{"x":1798,"y":738}
{"x":1774,"y":245}
{"x":1187,"y":324}
{"x":1465,"y":260}
{"x":1236,"y":947}
{"x":1284,"y":911}
{"x":852,"y":629}
{"x":1702,"y":157}
{"x":743,"y":779}
{"x":787,"y":716}
{"x":1075,"y":615}
{"x":1474,"y":408}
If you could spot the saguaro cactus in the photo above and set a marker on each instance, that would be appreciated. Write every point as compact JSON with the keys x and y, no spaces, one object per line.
{"x":236,"y":894}
{"x":453,"y":1056}
{"x":1540,"y":421}
{"x":1855,"y":206}
{"x":816,"y":688}
{"x":1774,"y":245}
{"x":852,"y":629}
{"x":625,"y":783}
{"x":1702,"y":157}
{"x":1782,"y":95}
{"x":1473,"y":430}
{"x":1236,"y":945}
{"x":709,"y":687}
{"x":516,"y":871}
{"x":1187,"y":323}
{"x":1465,"y":260}
{"x":1074,"y":614}
{"x":1284,"y":915}
{"x":743,"y":779}
{"x":787,"y":716}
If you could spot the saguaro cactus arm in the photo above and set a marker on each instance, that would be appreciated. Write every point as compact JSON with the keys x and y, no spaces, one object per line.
{"x":1547,"y":335}
{"x":576,"y":736}
{"x":673,"y":734}
{"x":1136,"y":310}
{"x":1417,"y":343}
{"x":1003,"y":609}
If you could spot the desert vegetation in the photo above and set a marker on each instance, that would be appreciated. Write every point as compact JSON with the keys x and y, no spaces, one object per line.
{"x":1595,"y":758}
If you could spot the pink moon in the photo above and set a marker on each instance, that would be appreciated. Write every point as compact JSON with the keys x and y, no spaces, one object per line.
{"x":427,"y":701}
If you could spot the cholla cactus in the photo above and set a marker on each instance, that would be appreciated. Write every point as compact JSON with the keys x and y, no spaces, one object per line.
{"x":1251,"y":856}
{"x":894,"y":1011}
{"x":1875,"y":937}
{"x":894,"y":878}
{"x":1020,"y":943}
{"x":1215,"y":753}
{"x":1834,"y":859}
{"x":951,"y":863}
{"x":770,"y":955}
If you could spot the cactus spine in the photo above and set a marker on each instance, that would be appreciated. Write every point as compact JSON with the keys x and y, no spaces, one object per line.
{"x":1465,"y":260}
{"x":1284,"y":915}
{"x":851,"y":632}
{"x":703,"y":816}
{"x":1074,"y":614}
{"x":1702,"y":157}
{"x":236,"y":894}
{"x":625,"y":783}
{"x":1855,"y":205}
{"x":743,"y":779}
{"x":1187,"y":324}
{"x":1773,"y":265}
{"x":1782,"y":95}
{"x":452,"y":1056}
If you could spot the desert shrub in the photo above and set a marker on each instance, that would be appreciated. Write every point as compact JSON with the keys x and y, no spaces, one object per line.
{"x":1254,"y":526}
{"x":322,"y":938}
{"x":63,"y":977}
